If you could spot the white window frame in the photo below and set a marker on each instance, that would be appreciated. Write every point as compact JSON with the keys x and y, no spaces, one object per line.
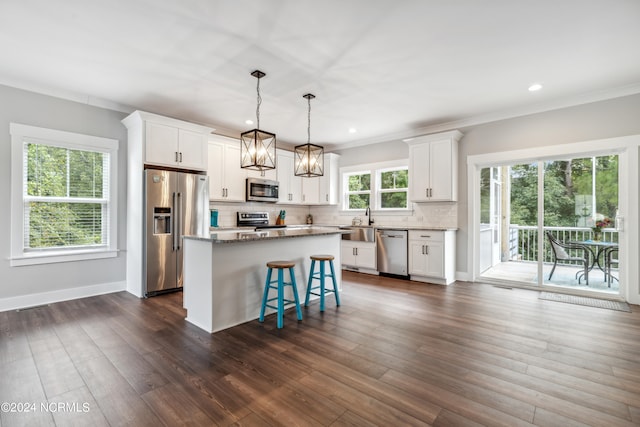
{"x":21,"y":134}
{"x":380,"y":190}
{"x":374,"y":199}
{"x":347,"y":193}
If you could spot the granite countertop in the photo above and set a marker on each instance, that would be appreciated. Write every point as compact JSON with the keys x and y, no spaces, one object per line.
{"x":235,"y":235}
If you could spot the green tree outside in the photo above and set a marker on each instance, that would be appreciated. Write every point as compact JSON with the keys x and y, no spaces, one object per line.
{"x":54,"y":172}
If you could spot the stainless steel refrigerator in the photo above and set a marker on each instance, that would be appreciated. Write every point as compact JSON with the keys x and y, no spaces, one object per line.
{"x":176,"y":204}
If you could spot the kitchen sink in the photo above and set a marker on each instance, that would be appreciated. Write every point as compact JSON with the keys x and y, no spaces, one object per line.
{"x":360,"y":233}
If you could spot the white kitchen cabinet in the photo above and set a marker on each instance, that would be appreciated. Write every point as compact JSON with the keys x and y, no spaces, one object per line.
{"x":329,"y":182}
{"x":290,"y":190}
{"x":174,"y":146}
{"x":358,"y":254}
{"x":270,"y":174}
{"x":311,"y":190}
{"x":432,"y":256}
{"x":433,"y":167}
{"x":226,"y":178}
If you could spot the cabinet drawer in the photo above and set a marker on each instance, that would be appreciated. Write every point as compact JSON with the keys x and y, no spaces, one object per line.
{"x":432,"y":235}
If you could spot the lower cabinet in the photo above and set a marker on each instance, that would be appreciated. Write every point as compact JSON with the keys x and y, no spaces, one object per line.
{"x":358,"y":254}
{"x":432,"y":256}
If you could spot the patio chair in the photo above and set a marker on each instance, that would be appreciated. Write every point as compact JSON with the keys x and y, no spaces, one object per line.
{"x":559,"y":250}
{"x":610,"y":258}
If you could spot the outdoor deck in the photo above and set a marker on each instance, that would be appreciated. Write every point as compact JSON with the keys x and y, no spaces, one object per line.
{"x":564,"y":276}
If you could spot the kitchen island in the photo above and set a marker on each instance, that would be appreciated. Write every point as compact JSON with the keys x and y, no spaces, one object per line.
{"x":224,"y":273}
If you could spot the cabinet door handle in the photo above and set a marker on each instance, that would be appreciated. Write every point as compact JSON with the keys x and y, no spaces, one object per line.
{"x":422,"y":249}
{"x":426,"y":249}
{"x":181,"y":157}
{"x":426,"y":192}
{"x":176,"y":156}
{"x":327,"y":197}
{"x":424,"y":236}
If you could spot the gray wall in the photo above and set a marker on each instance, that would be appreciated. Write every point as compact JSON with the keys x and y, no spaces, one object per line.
{"x":381,"y":152}
{"x":33,"y":109}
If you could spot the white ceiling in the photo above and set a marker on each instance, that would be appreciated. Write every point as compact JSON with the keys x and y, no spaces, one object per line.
{"x":389,"y":68}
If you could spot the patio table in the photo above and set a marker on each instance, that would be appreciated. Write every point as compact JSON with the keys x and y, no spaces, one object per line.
{"x":601,"y":248}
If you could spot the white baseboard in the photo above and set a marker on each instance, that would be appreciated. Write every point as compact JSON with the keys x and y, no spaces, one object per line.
{"x":32,"y":300}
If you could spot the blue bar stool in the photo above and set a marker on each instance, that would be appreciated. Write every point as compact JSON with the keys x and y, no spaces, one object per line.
{"x":321,"y":276}
{"x":280,"y":284}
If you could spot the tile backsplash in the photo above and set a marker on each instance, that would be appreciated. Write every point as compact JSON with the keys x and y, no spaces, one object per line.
{"x":227,"y":212}
{"x":443,"y":214}
{"x":432,"y":214}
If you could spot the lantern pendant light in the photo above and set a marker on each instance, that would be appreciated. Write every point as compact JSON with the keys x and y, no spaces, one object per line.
{"x":258,"y":147}
{"x":309,"y":158}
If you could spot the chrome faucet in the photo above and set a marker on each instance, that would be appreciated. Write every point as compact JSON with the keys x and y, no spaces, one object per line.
{"x":367,"y":213}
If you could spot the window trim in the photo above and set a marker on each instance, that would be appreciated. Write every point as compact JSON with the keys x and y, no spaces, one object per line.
{"x":20,"y":134}
{"x":374,"y":169}
{"x":346,"y":192}
{"x":380,"y":191}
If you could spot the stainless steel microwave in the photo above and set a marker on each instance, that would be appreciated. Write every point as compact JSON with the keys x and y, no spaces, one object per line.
{"x":262,"y":190}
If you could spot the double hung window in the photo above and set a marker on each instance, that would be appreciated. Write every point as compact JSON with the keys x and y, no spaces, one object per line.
{"x":63,"y":196}
{"x":393,"y":188}
{"x":358,"y":194}
{"x":379,"y":186}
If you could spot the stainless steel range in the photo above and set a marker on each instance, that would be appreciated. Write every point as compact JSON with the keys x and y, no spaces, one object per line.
{"x":259,"y":220}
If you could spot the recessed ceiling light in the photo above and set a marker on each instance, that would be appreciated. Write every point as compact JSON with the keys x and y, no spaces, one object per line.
{"x":249,"y":122}
{"x":534,"y":87}
{"x":353,"y":130}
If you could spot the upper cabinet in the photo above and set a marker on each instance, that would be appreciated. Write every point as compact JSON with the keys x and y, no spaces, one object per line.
{"x":329,"y":182}
{"x":163,"y":141}
{"x":433,"y":167}
{"x":270,"y":174}
{"x":311,"y":190}
{"x":290,"y":191}
{"x":226,"y":177}
{"x":320,"y":190}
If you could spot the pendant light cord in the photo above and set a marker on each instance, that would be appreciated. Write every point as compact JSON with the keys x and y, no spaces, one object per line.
{"x":309,"y":122}
{"x":258,"y":107}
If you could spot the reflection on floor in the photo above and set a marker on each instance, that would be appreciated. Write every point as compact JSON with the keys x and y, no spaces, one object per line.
{"x":563,"y":276}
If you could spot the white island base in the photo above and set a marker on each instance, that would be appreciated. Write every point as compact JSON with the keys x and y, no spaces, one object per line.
{"x":224,"y":280}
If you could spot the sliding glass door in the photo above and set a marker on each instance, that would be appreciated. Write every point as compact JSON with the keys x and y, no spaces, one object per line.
{"x":508,"y":223}
{"x":551,"y":223}
{"x":580,"y":194}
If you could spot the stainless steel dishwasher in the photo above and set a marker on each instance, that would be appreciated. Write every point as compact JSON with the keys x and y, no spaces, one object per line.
{"x":392,"y":251}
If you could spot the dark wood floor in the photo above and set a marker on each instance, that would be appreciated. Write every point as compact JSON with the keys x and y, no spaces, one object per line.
{"x":395,"y":353}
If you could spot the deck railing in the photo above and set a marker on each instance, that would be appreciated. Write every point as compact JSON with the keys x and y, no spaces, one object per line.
{"x":524,"y":240}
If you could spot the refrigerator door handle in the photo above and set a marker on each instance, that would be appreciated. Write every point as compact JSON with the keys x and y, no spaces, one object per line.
{"x":174,"y":229}
{"x":179,"y":225}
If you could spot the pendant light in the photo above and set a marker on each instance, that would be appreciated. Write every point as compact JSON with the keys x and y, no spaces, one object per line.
{"x":309,"y":158}
{"x":258,"y":147}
